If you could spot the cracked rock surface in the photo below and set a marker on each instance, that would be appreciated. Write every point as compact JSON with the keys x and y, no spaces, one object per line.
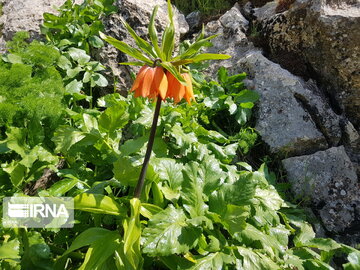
{"x":327,"y":178}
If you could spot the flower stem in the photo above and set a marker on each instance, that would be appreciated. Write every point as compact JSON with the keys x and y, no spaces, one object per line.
{"x":140,"y":183}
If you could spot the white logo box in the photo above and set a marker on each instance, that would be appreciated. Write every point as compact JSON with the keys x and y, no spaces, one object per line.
{"x":38,"y":212}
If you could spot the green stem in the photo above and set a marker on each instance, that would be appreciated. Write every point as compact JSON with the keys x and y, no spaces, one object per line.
{"x":140,"y":183}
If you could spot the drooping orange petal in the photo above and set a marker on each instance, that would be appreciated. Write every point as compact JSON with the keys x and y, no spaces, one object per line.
{"x":171,"y":85}
{"x":145,"y":87}
{"x":139,"y":78}
{"x":160,"y":83}
{"x":189,"y":93}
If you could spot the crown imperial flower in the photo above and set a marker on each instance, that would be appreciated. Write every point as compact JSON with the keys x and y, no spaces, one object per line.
{"x":150,"y":82}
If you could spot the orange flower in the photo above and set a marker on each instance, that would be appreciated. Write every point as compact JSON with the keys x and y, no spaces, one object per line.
{"x":150,"y":82}
{"x":177,"y":90}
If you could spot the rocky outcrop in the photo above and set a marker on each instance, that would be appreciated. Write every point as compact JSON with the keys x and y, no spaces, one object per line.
{"x":293,"y":118}
{"x":24,"y":15}
{"x":328,"y":179}
{"x":324,"y":37}
{"x":296,"y":120}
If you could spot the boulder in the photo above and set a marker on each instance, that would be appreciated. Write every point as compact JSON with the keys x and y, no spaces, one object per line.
{"x":292,"y":118}
{"x":288,"y":104}
{"x":322,"y":38}
{"x":328,"y":180}
{"x":24,"y":15}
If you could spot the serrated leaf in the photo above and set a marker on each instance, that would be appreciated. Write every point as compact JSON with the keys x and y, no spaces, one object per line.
{"x":10,"y":250}
{"x":168,"y":233}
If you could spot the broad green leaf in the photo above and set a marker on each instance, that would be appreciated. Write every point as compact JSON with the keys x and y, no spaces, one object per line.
{"x":10,"y":250}
{"x":123,"y":47}
{"x":100,"y":204}
{"x":234,"y":219}
{"x":171,"y":176}
{"x":253,"y":237}
{"x":78,"y":55}
{"x":325,"y":244}
{"x":168,"y":233}
{"x":253,"y":260}
{"x":192,"y":191}
{"x":99,"y":80}
{"x":305,"y":234}
{"x":148,"y":210}
{"x":213,"y":261}
{"x":96,"y":42}
{"x":16,"y":171}
{"x":65,"y":137}
{"x":114,"y":117}
{"x":354,"y":261}
{"x":74,"y":87}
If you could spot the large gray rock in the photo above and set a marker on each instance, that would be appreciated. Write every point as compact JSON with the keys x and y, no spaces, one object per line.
{"x":328,"y":179}
{"x":323,"y":37}
{"x":293,"y":118}
{"x":231,"y":39}
{"x":137,"y":13}
{"x":24,"y":15}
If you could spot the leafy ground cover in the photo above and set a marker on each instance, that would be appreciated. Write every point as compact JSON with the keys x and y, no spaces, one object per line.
{"x":202,"y":207}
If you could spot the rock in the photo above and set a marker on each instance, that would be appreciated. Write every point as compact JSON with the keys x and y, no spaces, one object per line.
{"x":324,"y":36}
{"x":266,"y":11}
{"x":292,"y":117}
{"x":193,"y":19}
{"x":24,"y":15}
{"x":328,"y":179}
{"x":231,"y":38}
{"x":137,"y":13}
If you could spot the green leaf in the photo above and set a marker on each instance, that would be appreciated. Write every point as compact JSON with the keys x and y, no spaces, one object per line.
{"x":100,"y":204}
{"x":132,"y":233}
{"x":64,"y":63}
{"x":170,"y":173}
{"x":79,"y":55}
{"x":61,"y":187}
{"x":153,"y":34}
{"x":169,"y":67}
{"x":168,"y":233}
{"x":168,"y":38}
{"x":325,"y":244}
{"x":96,"y":42}
{"x":16,"y":171}
{"x":354,"y":261}
{"x":213,"y":261}
{"x":141,"y":43}
{"x":10,"y":250}
{"x":194,"y":48}
{"x":123,"y":47}
{"x":65,"y":137}
{"x":210,"y":56}
{"x":252,"y":260}
{"x":74,"y":87}
{"x":99,"y":80}
{"x":115,"y":117}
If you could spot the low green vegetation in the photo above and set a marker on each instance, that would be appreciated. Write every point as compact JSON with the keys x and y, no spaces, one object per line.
{"x":202,"y":207}
{"x":206,"y":7}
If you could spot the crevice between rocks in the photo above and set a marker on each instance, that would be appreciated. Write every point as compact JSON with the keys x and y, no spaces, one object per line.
{"x":315,"y":116}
